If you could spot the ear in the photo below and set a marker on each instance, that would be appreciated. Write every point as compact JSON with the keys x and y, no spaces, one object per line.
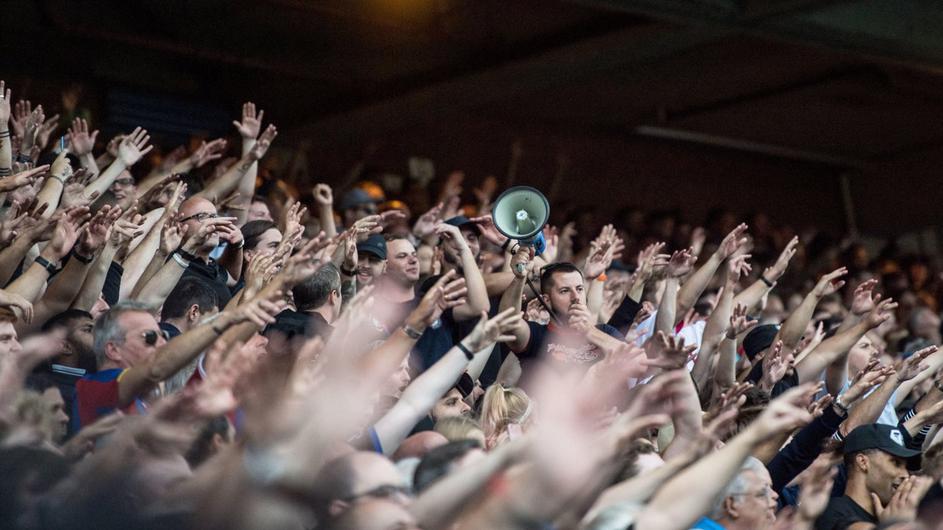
{"x":337,"y":507}
{"x":545,"y":298}
{"x":730,"y":506}
{"x":111,"y":351}
{"x":862,"y":462}
{"x":193,"y":313}
{"x":217,"y":442}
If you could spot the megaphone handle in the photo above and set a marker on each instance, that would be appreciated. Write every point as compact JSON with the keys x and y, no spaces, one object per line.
{"x":520,"y":267}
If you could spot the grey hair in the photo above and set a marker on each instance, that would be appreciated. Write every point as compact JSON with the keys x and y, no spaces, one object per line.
{"x":107,"y":328}
{"x":736,"y":486}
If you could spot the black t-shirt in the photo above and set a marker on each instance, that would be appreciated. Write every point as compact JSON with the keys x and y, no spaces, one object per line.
{"x":546,"y":343}
{"x":841,"y":513}
{"x":211,"y":273}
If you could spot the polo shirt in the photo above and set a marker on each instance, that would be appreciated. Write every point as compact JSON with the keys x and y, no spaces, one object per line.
{"x":96,"y":395}
{"x":706,"y":523}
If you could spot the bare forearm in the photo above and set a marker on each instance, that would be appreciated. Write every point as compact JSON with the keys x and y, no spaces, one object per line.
{"x":752,"y":295}
{"x":138,"y":260}
{"x":794,"y":326}
{"x":477,"y":292}
{"x":88,"y":162}
{"x":158,"y":288}
{"x":869,"y":409}
{"x":50,"y":194}
{"x":228,"y":181}
{"x":595,"y":297}
{"x":665,"y":319}
{"x":326,"y":217}
{"x":6,"y":150}
{"x":95,"y":280}
{"x":153,"y":267}
{"x":831,"y":350}
{"x":232,"y":261}
{"x":30,"y":284}
{"x":59,"y":295}
{"x":696,"y":283}
{"x":12,"y":256}
{"x":105,"y":179}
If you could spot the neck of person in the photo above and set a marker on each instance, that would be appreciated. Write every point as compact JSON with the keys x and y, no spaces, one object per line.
{"x":67,"y":358}
{"x":180,"y":323}
{"x":110,"y":364}
{"x":857,"y":490}
{"x":326,"y":312}
{"x":395,"y":291}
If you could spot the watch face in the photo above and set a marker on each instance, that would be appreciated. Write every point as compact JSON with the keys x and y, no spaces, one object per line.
{"x":437,"y":324}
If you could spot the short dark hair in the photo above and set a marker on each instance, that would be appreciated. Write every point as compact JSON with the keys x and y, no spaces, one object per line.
{"x":438,"y":462}
{"x":314,"y":291}
{"x":199,"y":452}
{"x":63,"y":319}
{"x":253,"y":230}
{"x":546,"y":274}
{"x":188,"y":292}
{"x":40,"y":382}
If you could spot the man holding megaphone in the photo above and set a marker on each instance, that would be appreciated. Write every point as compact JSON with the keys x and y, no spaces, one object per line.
{"x":571,"y":338}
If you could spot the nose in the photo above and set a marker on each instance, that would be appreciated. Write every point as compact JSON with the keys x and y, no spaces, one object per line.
{"x":465,"y":407}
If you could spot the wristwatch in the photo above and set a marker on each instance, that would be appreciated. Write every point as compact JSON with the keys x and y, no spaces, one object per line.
{"x":411,"y":332}
{"x":46,"y":264}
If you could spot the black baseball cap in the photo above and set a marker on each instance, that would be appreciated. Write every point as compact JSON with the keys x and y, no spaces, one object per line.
{"x":375,"y":244}
{"x":887,"y":438}
{"x":759,"y":338}
{"x":462,"y":221}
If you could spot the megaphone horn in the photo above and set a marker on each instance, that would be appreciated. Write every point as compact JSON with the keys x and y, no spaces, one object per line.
{"x":520,"y":213}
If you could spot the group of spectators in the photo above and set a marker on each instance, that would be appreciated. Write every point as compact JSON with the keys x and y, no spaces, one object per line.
{"x":184,"y":344}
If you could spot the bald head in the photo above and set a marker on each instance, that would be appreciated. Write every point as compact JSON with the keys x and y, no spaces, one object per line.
{"x":356,"y":475}
{"x":194,"y":212}
{"x":419,"y":444}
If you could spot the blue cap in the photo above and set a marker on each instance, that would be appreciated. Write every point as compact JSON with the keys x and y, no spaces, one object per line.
{"x":375,"y":244}
{"x":354,"y":198}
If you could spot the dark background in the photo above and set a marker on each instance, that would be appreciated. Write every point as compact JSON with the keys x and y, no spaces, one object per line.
{"x":825,"y":112}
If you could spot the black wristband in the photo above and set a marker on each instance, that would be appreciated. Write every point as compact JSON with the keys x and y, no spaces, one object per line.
{"x":81,"y":258}
{"x":348,"y":272}
{"x":767,"y":282}
{"x":26,"y":159}
{"x":468,"y":354}
{"x":44,"y":263}
{"x":506,"y":244}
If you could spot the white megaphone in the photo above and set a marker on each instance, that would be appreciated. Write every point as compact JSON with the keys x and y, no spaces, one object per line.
{"x":520,"y":213}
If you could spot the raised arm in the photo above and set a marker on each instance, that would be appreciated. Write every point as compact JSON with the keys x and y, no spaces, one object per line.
{"x":81,"y":144}
{"x":231,"y":179}
{"x":6,"y":146}
{"x":421,"y":395}
{"x":324,"y":198}
{"x":130,"y":151}
{"x":477,"y":293}
{"x":30,"y":284}
{"x":794,"y":326}
{"x":719,"y":320}
{"x":752,"y":295}
{"x":513,"y":298}
{"x":174,"y":355}
{"x":121,"y":235}
{"x":701,"y":278}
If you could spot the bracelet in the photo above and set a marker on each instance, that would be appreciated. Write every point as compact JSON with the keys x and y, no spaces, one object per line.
{"x":46,"y":264}
{"x":241,"y":244}
{"x":507,"y":243}
{"x":5,"y":134}
{"x":348,"y":272}
{"x":57,"y":177}
{"x":841,"y":406}
{"x":81,"y":258}
{"x":411,"y":332}
{"x":767,"y":282}
{"x":180,"y":261}
{"x":26,"y":159}
{"x":468,"y":354}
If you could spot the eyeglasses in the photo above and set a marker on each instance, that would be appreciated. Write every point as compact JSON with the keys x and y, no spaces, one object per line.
{"x":150,"y":336}
{"x":387,"y":491}
{"x":766,"y":493}
{"x":202,"y":216}
{"x":124,"y":182}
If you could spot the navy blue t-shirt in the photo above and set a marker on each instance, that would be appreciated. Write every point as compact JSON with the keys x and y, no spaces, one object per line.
{"x":546,"y":344}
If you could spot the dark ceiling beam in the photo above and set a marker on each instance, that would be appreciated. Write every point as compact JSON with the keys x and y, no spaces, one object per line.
{"x":588,"y":58}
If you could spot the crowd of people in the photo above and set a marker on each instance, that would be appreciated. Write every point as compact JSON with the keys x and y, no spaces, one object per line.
{"x":188,"y":342}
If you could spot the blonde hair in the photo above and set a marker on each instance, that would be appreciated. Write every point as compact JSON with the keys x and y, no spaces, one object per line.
{"x":456,"y":428}
{"x":500,"y":408}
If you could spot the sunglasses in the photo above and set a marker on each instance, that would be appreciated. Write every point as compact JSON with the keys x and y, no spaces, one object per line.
{"x":387,"y":491}
{"x":150,"y":336}
{"x":202,"y":216}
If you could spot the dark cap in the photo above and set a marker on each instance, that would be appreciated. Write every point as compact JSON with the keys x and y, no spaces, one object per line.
{"x":462,"y":221}
{"x":375,"y":244}
{"x":759,"y":338}
{"x":885,"y":438}
{"x":354,"y":198}
{"x":290,"y":323}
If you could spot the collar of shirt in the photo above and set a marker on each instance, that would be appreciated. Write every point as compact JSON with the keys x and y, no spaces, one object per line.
{"x":706,"y":523}
{"x":67,"y":370}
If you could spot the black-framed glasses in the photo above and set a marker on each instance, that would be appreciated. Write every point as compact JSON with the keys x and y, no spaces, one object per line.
{"x":150,"y":337}
{"x":386,"y":491}
{"x":202,"y":216}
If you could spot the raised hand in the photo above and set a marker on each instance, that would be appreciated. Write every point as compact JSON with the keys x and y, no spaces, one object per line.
{"x":124,"y":231}
{"x":171,"y":236}
{"x":19,"y":304}
{"x":486,"y":191}
{"x":913,"y":365}
{"x":785,"y":413}
{"x":732,"y":241}
{"x":736,"y":269}
{"x":452,"y":187}
{"x":880,"y":313}
{"x":776,"y":271}
{"x":263,"y":143}
{"x":740,"y":322}
{"x":520,"y":260}
{"x":133,"y":147}
{"x":871,"y":376}
{"x":775,"y":365}
{"x":21,"y":113}
{"x":207,"y":152}
{"x":29,"y":177}
{"x":816,"y":487}
{"x":681,"y":263}
{"x":536,"y":312}
{"x":579,"y":318}
{"x":259,"y":311}
{"x":97,"y":231}
{"x":830,"y":283}
{"x":45,"y":130}
{"x":668,"y":352}
{"x":67,"y":231}
{"x":251,"y":122}
{"x":33,"y":122}
{"x":426,"y":223}
{"x":864,"y":298}
{"x":489,"y":331}
{"x":447,"y":292}
{"x":73,"y":194}
{"x":903,"y":504}
{"x":323,"y":195}
{"x":452,"y":237}
{"x":651,"y":260}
